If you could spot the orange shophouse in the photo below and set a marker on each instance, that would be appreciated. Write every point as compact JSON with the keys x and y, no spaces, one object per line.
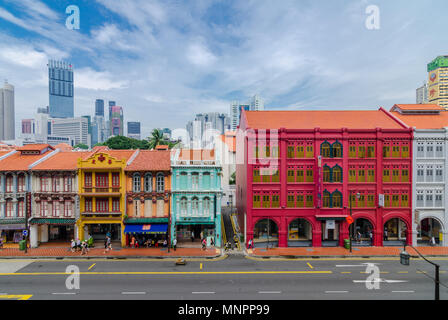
{"x":148,"y":184}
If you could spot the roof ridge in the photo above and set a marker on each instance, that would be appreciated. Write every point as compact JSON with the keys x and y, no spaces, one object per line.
{"x":132,"y":158}
{"x":8,"y":154}
{"x":46,"y":157}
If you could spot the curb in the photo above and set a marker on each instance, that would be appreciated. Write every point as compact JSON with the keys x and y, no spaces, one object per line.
{"x":292,"y":257}
{"x":107,"y":257}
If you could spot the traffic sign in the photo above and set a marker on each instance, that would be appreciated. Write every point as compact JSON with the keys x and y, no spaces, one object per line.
{"x":349,"y":220}
{"x":25,"y":232}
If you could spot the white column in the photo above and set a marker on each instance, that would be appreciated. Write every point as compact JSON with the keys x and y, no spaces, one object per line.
{"x":44,"y":233}
{"x":34,"y":235}
{"x":2,"y":208}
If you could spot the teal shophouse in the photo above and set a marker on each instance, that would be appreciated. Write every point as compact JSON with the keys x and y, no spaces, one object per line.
{"x":196,"y":197}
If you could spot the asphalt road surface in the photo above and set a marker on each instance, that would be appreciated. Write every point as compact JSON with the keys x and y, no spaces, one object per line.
{"x":231,"y":278}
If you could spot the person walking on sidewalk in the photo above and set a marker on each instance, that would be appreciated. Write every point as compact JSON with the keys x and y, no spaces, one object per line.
{"x":174,"y":244}
{"x":106,"y":245}
{"x":192,"y":236}
{"x":84,"y":248}
{"x":109,"y":243}
{"x":204,"y":243}
{"x":73,"y":245}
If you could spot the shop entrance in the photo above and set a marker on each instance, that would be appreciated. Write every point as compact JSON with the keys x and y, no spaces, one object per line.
{"x":100,"y":231}
{"x":265,"y":234}
{"x":300,"y":233}
{"x":362,"y":232}
{"x":330,"y":233}
{"x":61,"y":233}
{"x":11,"y":235}
{"x":191,"y":235}
{"x":429,"y":232}
{"x":394,"y":233}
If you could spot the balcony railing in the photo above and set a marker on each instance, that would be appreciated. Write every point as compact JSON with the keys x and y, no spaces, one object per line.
{"x":102,"y":189}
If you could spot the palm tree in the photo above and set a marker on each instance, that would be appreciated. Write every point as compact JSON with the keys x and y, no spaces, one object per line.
{"x":157,"y":139}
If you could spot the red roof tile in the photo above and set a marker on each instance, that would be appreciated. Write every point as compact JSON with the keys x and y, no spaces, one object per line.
{"x":424,"y":121}
{"x":151,"y":160}
{"x":198,"y":154}
{"x":67,"y":160}
{"x":364,"y":119}
{"x":19,"y":162}
{"x":426,"y":107}
{"x":34,"y":147}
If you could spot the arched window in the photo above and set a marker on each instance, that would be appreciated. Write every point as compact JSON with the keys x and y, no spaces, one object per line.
{"x":326,"y":174}
{"x":325,"y":150}
{"x":183,"y":206}
{"x":195,"y":206}
{"x":336,"y":199}
{"x":148,"y":182}
{"x":326,"y":199}
{"x":337,"y":174}
{"x":336,"y":150}
{"x":195,"y":180}
{"x":160,"y":182}
{"x":206,"y":206}
{"x":136,"y":182}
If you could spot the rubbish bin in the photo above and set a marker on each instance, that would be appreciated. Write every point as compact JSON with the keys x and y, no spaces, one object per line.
{"x":347,"y":243}
{"x":22,"y":245}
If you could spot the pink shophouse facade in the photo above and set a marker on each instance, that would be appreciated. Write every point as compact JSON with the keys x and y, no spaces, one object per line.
{"x":296,"y":170}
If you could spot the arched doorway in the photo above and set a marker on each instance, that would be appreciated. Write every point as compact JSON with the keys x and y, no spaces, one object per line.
{"x":363,"y":233}
{"x":429,"y":232}
{"x":300,"y":233}
{"x":395,"y":232}
{"x":265,"y":234}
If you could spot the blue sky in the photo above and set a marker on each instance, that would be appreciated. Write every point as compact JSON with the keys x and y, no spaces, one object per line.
{"x":165,"y":61}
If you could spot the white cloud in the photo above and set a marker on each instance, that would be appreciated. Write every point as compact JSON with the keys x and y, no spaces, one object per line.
{"x":87,"y":78}
{"x":200,"y":55}
{"x":23,"y":56}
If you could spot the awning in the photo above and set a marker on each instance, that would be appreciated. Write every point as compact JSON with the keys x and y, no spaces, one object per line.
{"x":146,"y":228}
{"x":57,"y":221}
{"x":336,"y":217}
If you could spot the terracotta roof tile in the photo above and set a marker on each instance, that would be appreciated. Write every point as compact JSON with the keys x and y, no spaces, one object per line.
{"x":19,"y":162}
{"x":426,"y":107}
{"x":230,"y":141}
{"x":67,"y":160}
{"x":198,"y":154}
{"x":151,"y":160}
{"x":120,"y":154}
{"x":424,"y":121}
{"x":64,"y":147}
{"x":362,"y":119}
{"x":34,"y":147}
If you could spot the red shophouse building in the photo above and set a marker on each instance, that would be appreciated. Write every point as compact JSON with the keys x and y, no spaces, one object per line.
{"x":296,"y":170}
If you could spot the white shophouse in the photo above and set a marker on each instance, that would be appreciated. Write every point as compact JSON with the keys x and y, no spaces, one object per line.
{"x":430,"y":174}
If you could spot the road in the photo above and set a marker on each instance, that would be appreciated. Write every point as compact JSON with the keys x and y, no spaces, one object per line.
{"x":232,"y":278}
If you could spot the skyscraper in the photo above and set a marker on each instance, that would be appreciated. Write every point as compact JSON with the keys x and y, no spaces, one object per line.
{"x":134,"y":130}
{"x":7,"y":112}
{"x":60,"y":75}
{"x":99,"y":107}
{"x":438,"y":81}
{"x":256,"y":103}
{"x":422,"y":94}
{"x":116,"y":121}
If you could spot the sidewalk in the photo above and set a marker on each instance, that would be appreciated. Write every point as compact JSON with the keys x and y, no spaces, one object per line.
{"x":341,"y":252}
{"x":62,"y":252}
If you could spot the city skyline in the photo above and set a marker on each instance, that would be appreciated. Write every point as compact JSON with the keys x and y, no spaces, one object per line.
{"x":190,"y":59}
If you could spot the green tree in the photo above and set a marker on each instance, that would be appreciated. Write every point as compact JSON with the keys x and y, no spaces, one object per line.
{"x":157,"y":139}
{"x":81,"y":146}
{"x":125,"y":143}
{"x":232,"y":179}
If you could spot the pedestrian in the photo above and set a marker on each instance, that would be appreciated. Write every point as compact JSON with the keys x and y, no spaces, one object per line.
{"x":84,"y":247}
{"x":78,"y":244}
{"x":358,"y":235}
{"x":165,"y":243}
{"x":174,"y":244}
{"x":1,"y":242}
{"x":371,"y":238}
{"x":106,"y":246}
{"x":251,"y":244}
{"x":192,"y":236}
{"x":73,"y":245}
{"x":385,"y":234}
{"x":109,"y":243}
{"x":204,"y":243}
{"x":212,"y":242}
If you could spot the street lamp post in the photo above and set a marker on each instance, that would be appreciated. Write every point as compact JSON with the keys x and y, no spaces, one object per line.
{"x":404,"y":259}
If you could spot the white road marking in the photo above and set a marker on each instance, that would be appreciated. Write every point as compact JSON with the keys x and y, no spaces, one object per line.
{"x":203,"y":292}
{"x":379,"y":280}
{"x":357,"y":265}
{"x":404,"y":291}
{"x":269,"y":292}
{"x":64,"y":293}
{"x":133,"y":293}
{"x":336,"y":291}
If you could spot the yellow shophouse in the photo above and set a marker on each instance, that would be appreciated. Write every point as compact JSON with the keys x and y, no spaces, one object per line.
{"x":102,"y":190}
